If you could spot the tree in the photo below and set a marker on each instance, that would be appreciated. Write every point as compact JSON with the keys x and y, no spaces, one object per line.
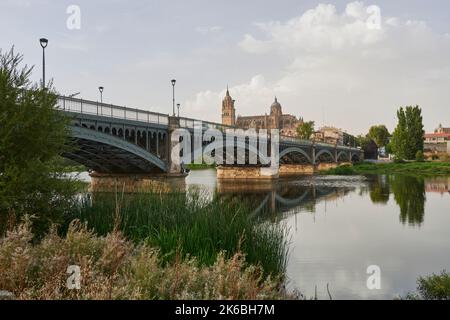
{"x":379,"y":134}
{"x":407,"y":138}
{"x":32,"y":135}
{"x":305,"y":130}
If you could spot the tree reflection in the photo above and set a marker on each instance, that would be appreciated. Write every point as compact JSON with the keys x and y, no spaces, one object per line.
{"x":409,"y":193}
{"x":379,"y":189}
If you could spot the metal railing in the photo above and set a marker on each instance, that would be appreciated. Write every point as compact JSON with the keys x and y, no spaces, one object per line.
{"x":109,"y":110}
{"x":82,"y":106}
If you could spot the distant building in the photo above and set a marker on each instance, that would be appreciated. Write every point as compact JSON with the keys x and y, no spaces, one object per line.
{"x":439,"y":141}
{"x":330,"y":135}
{"x":286,"y":123}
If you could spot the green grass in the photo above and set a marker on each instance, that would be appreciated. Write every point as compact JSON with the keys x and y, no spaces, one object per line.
{"x":193,"y":226}
{"x":410,"y":168}
{"x":202,"y":166}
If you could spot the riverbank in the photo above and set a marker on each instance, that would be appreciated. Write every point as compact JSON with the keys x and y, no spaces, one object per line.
{"x":202,"y":166}
{"x":410,"y":168}
{"x":112,"y":267}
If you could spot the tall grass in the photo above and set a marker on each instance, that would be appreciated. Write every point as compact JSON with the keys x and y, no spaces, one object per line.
{"x":194,"y":226}
{"x":112,"y":267}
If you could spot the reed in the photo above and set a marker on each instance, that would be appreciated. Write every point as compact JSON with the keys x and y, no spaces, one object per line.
{"x":193,"y":225}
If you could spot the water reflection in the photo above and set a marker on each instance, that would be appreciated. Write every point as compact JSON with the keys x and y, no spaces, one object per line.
{"x":341,"y":225}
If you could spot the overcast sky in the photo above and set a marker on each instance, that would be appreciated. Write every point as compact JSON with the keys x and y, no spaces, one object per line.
{"x":324,"y":60}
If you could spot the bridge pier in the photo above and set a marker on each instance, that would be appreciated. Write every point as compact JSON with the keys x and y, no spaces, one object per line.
{"x":136,"y":183}
{"x":246,"y":173}
{"x":295,"y":170}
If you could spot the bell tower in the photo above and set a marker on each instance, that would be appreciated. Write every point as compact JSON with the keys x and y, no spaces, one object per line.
{"x":228,"y":110}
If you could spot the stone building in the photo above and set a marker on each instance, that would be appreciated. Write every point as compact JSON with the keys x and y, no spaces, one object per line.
{"x":437,"y":142}
{"x":228,"y":111}
{"x":286,"y":123}
{"x":329,"y":135}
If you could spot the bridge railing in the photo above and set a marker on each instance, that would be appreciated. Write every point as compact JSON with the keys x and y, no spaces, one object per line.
{"x":109,"y":110}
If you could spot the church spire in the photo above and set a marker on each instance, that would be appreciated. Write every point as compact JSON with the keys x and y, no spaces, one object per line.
{"x":228,"y":92}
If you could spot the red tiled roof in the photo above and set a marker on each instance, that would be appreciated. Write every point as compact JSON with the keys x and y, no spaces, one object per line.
{"x":437,"y":135}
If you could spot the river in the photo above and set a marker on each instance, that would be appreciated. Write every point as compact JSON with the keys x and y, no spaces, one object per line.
{"x":341,"y":226}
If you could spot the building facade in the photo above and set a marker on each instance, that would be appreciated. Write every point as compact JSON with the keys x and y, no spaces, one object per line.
{"x":286,"y":123}
{"x":438,"y":142}
{"x":329,"y":135}
{"x":228,"y":111}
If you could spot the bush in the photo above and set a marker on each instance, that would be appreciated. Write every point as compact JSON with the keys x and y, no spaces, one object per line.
{"x":434,"y":287}
{"x":345,"y":170}
{"x":419,"y":156}
{"x":114,"y":268}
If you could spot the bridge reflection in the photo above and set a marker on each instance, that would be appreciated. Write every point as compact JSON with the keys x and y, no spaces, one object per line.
{"x":281,"y":197}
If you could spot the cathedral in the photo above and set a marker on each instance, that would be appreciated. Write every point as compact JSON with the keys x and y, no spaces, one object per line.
{"x":286,"y":123}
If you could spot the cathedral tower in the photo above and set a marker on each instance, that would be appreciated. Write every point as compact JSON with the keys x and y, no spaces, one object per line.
{"x":228,"y":111}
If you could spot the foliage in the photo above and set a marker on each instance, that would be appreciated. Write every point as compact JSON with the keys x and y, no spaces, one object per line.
{"x":407,"y":138}
{"x":379,"y":134}
{"x":363,"y":141}
{"x":305,"y":130}
{"x":409,"y":168}
{"x":434,"y":287}
{"x":195,"y":225}
{"x":32,"y":135}
{"x":419,"y":156}
{"x":114,"y":268}
{"x":345,"y":170}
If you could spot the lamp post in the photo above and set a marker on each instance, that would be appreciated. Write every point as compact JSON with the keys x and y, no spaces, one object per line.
{"x":178,"y":107}
{"x":44,"y":43}
{"x":101,"y":94}
{"x":173,"y":95}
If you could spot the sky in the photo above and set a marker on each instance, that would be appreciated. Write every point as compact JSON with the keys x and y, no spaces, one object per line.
{"x":341,"y":63}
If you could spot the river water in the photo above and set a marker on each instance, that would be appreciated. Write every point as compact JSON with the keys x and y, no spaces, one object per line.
{"x":341,"y":226}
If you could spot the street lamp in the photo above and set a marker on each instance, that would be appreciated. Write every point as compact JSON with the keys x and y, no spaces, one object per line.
{"x":173,"y":95}
{"x":178,"y":107}
{"x":44,"y":43}
{"x":101,"y":94}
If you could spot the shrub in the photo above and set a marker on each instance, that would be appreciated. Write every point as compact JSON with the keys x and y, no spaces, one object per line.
{"x":434,"y":287}
{"x":419,"y":156}
{"x":114,"y":268}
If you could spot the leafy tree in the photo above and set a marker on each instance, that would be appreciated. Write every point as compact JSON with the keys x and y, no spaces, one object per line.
{"x":305,"y":130}
{"x":407,"y":138}
{"x":420,"y":156}
{"x":32,"y":135}
{"x":379,"y":134}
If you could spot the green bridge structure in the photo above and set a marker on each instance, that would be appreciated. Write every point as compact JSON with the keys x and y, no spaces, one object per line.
{"x":111,"y":139}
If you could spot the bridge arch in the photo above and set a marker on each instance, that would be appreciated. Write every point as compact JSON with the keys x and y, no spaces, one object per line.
{"x":109,"y":154}
{"x":295,"y":150}
{"x":323,"y":152}
{"x":344,"y":156}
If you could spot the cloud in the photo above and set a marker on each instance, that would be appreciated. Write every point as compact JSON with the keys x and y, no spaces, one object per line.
{"x":357,"y":65}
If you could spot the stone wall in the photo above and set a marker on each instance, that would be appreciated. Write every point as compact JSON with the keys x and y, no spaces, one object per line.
{"x":135,"y":183}
{"x":244,"y":173}
{"x":292,"y":170}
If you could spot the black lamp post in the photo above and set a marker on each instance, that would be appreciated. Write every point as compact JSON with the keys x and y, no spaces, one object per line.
{"x":101,"y":94}
{"x":44,"y":43}
{"x":173,"y":95}
{"x":178,"y":107}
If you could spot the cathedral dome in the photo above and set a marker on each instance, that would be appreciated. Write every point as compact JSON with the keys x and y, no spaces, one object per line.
{"x":275,"y":107}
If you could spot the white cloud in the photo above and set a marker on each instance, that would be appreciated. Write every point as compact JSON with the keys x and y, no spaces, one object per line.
{"x":338,"y":62}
